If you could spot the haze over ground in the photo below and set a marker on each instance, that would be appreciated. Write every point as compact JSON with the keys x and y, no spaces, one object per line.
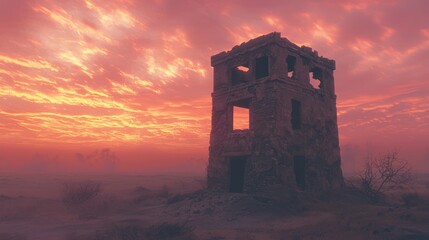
{"x":125,"y":85}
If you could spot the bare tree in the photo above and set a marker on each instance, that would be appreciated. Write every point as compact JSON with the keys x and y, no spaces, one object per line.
{"x":382,"y":174}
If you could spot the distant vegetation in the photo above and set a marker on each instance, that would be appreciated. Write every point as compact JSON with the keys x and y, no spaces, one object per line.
{"x":136,"y":230}
{"x":75,"y":193}
{"x":86,"y":199}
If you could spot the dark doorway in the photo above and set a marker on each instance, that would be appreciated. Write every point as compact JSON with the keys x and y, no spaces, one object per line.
{"x":299,"y":169}
{"x":236,"y":179}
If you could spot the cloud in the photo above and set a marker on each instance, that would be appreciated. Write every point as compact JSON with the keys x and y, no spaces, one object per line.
{"x":138,"y":72}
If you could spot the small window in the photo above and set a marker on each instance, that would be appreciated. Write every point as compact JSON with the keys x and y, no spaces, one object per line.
{"x":291,"y":61}
{"x":261,"y":67}
{"x":296,"y":114}
{"x":240,"y":74}
{"x":241,"y":115}
{"x":315,"y":76}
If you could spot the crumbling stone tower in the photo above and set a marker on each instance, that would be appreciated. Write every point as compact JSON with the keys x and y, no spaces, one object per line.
{"x":292,"y":135}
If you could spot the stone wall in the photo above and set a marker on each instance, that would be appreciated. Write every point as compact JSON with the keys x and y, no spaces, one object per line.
{"x":272,"y":145}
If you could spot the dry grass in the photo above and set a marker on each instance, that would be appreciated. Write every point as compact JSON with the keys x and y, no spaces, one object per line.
{"x":159,"y":213}
{"x":86,"y":199}
{"x":75,"y":193}
{"x":16,"y":236}
{"x":413,"y":199}
{"x":136,"y":230}
{"x":169,"y":231}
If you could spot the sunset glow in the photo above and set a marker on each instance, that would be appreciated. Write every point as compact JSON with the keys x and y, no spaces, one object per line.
{"x":135,"y":76}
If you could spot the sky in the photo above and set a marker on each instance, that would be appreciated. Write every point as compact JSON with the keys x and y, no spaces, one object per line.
{"x":124,"y":85}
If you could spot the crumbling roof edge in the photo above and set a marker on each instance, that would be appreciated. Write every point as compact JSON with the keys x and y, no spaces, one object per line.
{"x":274,"y":37}
{"x":262,"y":40}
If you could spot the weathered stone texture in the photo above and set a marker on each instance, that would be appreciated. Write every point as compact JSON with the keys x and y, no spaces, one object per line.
{"x":305,"y":155}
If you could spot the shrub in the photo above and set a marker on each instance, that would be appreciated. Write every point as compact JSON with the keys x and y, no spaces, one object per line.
{"x":176,"y":198}
{"x":127,"y":230}
{"x":76,"y":193}
{"x":164,"y":192}
{"x":169,"y":231}
{"x":133,"y":230}
{"x":95,"y":207}
{"x":4,"y":197}
{"x":411,"y":199}
{"x":7,"y":236}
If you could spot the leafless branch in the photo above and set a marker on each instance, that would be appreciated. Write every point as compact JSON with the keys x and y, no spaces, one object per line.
{"x":383,"y":173}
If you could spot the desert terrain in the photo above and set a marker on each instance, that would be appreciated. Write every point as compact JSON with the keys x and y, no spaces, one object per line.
{"x":133,"y":206}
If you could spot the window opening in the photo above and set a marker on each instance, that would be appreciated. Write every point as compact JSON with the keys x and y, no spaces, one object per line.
{"x":241,"y":115}
{"x":291,"y":61}
{"x":261,"y":67}
{"x":315,"y":76}
{"x":296,"y":114}
{"x":240,"y":74}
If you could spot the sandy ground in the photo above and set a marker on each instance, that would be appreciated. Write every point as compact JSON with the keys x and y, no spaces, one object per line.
{"x":129,"y":207}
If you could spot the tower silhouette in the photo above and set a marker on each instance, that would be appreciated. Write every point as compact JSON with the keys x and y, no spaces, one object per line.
{"x":291,"y":137}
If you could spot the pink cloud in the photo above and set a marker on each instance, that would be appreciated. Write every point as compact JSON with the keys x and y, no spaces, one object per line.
{"x":138,"y":72}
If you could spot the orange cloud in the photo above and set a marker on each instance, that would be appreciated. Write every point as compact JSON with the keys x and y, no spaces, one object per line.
{"x":137,"y":73}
